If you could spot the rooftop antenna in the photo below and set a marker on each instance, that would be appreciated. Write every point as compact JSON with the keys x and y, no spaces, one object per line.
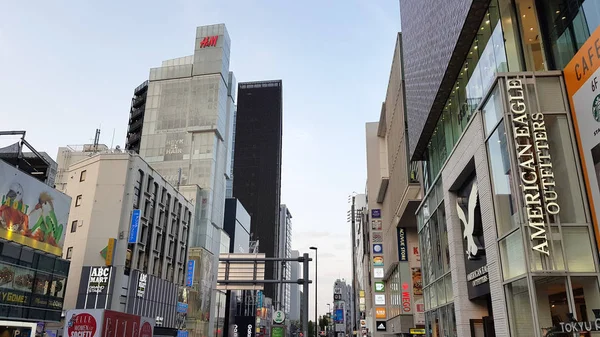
{"x":96,"y":140}
{"x":113,"y":139}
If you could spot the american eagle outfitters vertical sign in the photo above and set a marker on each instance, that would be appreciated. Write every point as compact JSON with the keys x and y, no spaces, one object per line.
{"x":534,"y":164}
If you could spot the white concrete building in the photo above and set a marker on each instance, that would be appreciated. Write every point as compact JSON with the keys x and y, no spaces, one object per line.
{"x":124,"y":215}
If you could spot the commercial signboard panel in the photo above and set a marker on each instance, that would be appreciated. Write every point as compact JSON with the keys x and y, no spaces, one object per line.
{"x":31,"y":212}
{"x":582,"y":78}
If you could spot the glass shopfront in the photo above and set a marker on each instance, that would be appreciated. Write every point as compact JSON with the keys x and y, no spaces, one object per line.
{"x":545,"y":234}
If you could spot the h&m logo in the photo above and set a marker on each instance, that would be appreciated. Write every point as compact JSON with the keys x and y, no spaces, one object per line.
{"x":209,"y":41}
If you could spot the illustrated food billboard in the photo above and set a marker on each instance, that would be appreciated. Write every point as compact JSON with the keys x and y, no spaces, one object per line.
{"x":31,"y":212}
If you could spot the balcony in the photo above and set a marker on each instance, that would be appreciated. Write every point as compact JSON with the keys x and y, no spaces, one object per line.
{"x":136,"y":112}
{"x":138,"y":101}
{"x":136,"y":125}
{"x":133,"y":138}
{"x":141,"y":88}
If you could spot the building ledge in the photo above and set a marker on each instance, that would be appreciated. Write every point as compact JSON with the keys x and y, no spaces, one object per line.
{"x":385,"y":181}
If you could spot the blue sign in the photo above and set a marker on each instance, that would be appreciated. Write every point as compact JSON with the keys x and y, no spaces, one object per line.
{"x":376,"y":213}
{"x":182,"y":333}
{"x":378,"y":248}
{"x":182,"y":307}
{"x":259,"y":295}
{"x":338,"y":316}
{"x":191,"y":266}
{"x":135,"y":224}
{"x":402,"y":247}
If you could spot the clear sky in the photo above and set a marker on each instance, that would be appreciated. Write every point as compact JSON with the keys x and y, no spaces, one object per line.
{"x":69,"y":67}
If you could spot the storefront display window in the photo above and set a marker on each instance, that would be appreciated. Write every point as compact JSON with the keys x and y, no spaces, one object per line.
{"x":565,"y":170}
{"x":519,"y":308}
{"x":504,"y":198}
{"x":552,"y":303}
{"x":578,"y":249}
{"x":556,"y":251}
{"x":586,"y":296}
{"x":512,"y":255}
{"x":449,"y":291}
{"x":492,"y":110}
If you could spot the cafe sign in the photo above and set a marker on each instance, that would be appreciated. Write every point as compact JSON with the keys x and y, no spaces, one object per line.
{"x":536,"y":176}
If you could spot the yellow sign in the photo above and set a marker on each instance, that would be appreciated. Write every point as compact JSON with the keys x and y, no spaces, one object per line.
{"x":361,"y":293}
{"x":413,"y":331}
{"x":380,"y":313}
{"x":110,"y":251}
{"x":582,"y":76}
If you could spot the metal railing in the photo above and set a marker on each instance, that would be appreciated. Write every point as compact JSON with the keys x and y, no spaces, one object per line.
{"x":141,"y":87}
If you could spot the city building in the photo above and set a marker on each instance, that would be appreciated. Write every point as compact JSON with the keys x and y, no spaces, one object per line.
{"x":342,"y":308}
{"x":37,"y":164}
{"x":394,"y":193}
{"x":257,"y":164}
{"x":136,"y":118}
{"x":127,"y":237}
{"x":361,"y":262}
{"x":284,"y":250}
{"x":186,"y":136}
{"x":237,"y":226}
{"x":295,"y":292}
{"x":33,"y":221}
{"x":505,"y":226}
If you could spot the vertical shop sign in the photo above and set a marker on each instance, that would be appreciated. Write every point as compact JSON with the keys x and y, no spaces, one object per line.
{"x":135,"y":224}
{"x":535,"y":165}
{"x":191,"y":266}
{"x":402,"y":247}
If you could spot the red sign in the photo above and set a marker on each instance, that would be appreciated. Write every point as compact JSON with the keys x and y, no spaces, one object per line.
{"x":209,"y":41}
{"x":146,"y":330}
{"x":82,"y":325}
{"x":405,"y":298}
{"x":120,"y":324}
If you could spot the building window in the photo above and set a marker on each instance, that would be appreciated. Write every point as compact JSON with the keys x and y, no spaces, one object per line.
{"x":78,"y":201}
{"x":69,"y":253}
{"x":82,"y":175}
{"x":74,"y":226}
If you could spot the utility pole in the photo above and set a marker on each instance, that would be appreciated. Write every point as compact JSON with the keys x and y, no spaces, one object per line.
{"x":305,"y":295}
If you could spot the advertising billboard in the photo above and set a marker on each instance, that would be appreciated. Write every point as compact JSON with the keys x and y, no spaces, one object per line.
{"x":582,"y":78}
{"x":31,"y":212}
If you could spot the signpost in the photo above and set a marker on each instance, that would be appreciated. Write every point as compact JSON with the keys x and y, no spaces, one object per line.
{"x":278,"y":317}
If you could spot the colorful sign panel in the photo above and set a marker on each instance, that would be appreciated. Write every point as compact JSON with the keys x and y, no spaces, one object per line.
{"x":379,"y":287}
{"x":380,"y":313}
{"x":378,"y":261}
{"x":377,"y":237}
{"x":31,"y":212}
{"x":338,"y":316}
{"x":582,"y":78}
{"x":189,"y":279}
{"x":378,"y":248}
{"x":376,"y":225}
{"x":375,"y":213}
{"x":379,"y":299}
{"x":378,"y":272}
{"x":110,"y":251}
{"x":135,"y":224}
{"x":84,"y":322}
{"x":402,"y":246}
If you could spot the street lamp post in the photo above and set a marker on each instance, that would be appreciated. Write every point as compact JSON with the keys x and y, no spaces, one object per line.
{"x":316,"y":273}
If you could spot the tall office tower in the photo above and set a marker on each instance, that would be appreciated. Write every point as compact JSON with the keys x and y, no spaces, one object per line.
{"x":187,"y":137}
{"x":284,"y":250}
{"x":509,"y":93}
{"x":257,"y":164}
{"x":343,"y":307}
{"x":136,"y":118}
{"x":295,"y":299}
{"x":187,"y":127}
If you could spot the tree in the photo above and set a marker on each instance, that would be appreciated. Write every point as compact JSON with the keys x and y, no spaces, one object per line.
{"x":323,"y":323}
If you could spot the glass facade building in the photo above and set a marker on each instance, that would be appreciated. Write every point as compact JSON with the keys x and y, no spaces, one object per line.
{"x":505,"y":230}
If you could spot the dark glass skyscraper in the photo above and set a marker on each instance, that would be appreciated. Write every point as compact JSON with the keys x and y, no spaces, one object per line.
{"x":257,"y":163}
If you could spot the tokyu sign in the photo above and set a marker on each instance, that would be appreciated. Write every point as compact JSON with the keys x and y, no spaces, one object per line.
{"x":536,"y":177}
